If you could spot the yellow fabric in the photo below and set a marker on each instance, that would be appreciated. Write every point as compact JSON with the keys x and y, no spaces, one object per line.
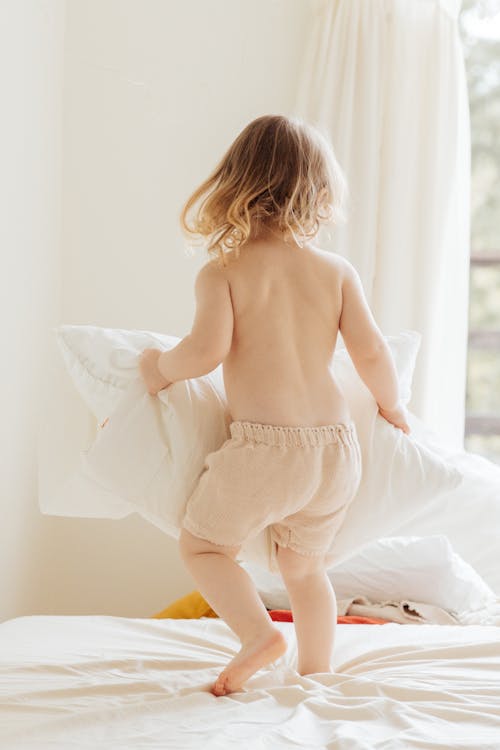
{"x":191,"y":606}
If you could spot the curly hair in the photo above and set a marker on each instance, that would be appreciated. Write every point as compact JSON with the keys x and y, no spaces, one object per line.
{"x":279,"y":172}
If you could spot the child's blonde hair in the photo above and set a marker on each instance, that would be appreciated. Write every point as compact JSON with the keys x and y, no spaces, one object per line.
{"x":279,"y":171}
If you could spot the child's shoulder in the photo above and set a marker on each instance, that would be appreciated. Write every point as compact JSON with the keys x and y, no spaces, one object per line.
{"x":334,"y":259}
{"x":218,"y":267}
{"x":209,"y":274}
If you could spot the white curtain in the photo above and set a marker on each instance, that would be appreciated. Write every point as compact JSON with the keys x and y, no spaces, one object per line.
{"x":386,"y":79}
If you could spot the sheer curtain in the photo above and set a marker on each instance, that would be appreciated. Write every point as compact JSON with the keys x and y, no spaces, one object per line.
{"x":386,"y":80}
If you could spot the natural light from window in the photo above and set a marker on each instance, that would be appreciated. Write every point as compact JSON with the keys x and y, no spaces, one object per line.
{"x":480,"y":31}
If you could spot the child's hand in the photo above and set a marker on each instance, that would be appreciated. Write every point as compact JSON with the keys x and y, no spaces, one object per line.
{"x":397,"y":417}
{"x":148,"y":366}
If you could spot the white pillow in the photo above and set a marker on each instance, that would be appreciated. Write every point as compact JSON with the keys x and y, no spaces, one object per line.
{"x":470,"y":515}
{"x":153,"y":448}
{"x":191,"y":417}
{"x":103,"y":361}
{"x":421,"y":569}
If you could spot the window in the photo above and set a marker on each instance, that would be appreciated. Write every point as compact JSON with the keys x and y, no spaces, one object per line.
{"x":480,"y":31}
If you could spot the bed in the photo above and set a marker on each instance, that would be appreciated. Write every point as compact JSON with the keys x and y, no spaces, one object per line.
{"x":101,"y":681}
{"x":116,"y":682}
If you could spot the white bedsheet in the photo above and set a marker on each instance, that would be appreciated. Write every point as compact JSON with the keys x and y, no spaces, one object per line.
{"x":115,"y":682}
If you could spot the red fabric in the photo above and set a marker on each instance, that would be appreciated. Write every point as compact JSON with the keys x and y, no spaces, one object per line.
{"x":285,"y":615}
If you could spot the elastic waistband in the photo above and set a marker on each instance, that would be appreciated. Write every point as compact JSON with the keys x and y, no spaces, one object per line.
{"x":342,"y":432}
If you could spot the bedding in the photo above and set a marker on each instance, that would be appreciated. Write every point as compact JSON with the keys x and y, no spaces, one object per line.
{"x":194,"y":606}
{"x":117,"y":683}
{"x":153,"y":448}
{"x":360,"y":609}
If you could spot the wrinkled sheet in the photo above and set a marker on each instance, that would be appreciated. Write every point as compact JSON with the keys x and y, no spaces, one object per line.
{"x":114,"y":682}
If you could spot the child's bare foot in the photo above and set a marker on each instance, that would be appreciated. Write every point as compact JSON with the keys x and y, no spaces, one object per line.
{"x":249,"y":659}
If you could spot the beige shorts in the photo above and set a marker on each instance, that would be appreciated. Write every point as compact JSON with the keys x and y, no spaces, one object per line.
{"x":297,"y":480}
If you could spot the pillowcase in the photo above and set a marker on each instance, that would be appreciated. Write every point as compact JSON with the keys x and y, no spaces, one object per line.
{"x":190,"y":419}
{"x":418,"y":568}
{"x":152,"y":450}
{"x":102,"y":362}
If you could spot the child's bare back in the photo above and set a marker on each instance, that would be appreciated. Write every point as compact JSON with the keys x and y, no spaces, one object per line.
{"x":287,"y":302}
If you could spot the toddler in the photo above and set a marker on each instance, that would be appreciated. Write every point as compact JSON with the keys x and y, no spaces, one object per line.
{"x":270,"y":304}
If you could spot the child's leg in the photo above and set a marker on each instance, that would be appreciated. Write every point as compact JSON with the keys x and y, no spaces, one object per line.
{"x":314,"y":609}
{"x":231,"y":593}
{"x":225,"y":585}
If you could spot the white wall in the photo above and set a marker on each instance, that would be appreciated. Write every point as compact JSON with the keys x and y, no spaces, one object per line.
{"x":154,"y":92}
{"x":31,"y":48}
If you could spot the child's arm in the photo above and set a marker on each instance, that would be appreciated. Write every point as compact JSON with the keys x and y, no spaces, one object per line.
{"x":366,"y":344}
{"x":209,"y":341}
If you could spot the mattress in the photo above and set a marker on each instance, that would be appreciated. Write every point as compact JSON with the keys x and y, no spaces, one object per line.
{"x":110,"y":682}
